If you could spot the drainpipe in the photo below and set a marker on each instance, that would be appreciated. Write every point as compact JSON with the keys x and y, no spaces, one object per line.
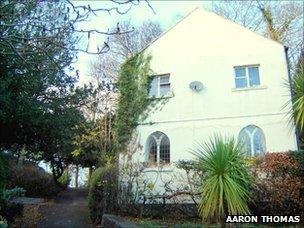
{"x":291,"y":93}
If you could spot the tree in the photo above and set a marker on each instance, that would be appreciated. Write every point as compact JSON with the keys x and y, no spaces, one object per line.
{"x":134,"y":99}
{"x":124,"y":46}
{"x":105,"y":69}
{"x":40,"y":105}
{"x":94,"y":143}
{"x":280,"y":21}
{"x":225,"y":187}
{"x":297,"y":90}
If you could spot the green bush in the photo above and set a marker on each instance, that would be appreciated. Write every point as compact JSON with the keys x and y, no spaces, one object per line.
{"x":2,"y":173}
{"x":65,"y":179}
{"x":279,"y":184}
{"x":299,"y":157}
{"x":102,"y":196}
{"x":9,"y":210}
{"x":3,"y":222}
{"x":33,"y":179}
{"x":10,"y":194}
{"x":225,"y":185}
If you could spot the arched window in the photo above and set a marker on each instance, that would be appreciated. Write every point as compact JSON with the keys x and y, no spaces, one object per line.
{"x":253,"y":140}
{"x":158,"y":148}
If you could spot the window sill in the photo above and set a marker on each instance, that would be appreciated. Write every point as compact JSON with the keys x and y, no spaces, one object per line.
{"x":158,"y":169}
{"x":248,"y":88}
{"x":169,"y":95}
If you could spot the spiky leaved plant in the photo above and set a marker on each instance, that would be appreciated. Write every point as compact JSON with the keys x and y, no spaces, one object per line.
{"x":225,"y":188}
{"x":297,"y":88}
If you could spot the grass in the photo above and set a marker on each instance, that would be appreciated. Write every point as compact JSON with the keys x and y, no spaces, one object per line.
{"x":156,"y":223}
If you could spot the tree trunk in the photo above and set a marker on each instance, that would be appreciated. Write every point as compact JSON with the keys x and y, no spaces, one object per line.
{"x":76,"y":176}
{"x":90,"y":174}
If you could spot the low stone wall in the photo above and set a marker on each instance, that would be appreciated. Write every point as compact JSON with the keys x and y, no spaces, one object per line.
{"x":114,"y":221}
{"x":28,"y":201}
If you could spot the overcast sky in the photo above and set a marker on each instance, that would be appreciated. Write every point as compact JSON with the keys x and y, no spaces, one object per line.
{"x":167,"y":13}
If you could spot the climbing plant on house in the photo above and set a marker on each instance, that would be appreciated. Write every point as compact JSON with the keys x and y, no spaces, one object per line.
{"x":134,"y":101}
{"x":133,"y":105}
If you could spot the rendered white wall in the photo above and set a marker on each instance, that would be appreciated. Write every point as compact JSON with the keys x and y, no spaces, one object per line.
{"x":205,"y":47}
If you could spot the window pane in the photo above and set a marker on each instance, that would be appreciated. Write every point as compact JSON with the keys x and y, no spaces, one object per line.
{"x":244,"y":139}
{"x":153,"y":87}
{"x":152,"y":151}
{"x":240,"y":72}
{"x":254,"y":77}
{"x":164,"y":79}
{"x":164,"y":150}
{"x":240,"y":82}
{"x":253,"y":139}
{"x":164,"y":90}
{"x":251,"y":129}
{"x":258,"y":143}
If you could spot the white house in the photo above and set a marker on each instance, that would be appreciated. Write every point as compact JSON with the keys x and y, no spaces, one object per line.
{"x":219,"y":77}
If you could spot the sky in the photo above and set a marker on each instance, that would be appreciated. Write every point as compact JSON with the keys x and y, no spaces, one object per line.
{"x":167,"y":13}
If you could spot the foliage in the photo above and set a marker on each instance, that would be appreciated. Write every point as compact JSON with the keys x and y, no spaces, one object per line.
{"x":298,"y":156}
{"x":8,"y":209}
{"x":139,"y":196}
{"x":65,"y":179}
{"x":133,"y":85}
{"x":278,"y":20}
{"x":39,"y":101}
{"x":95,"y":142}
{"x":33,"y":179}
{"x":10,"y":194}
{"x":102,"y":196}
{"x":2,"y":173}
{"x":40,"y":105}
{"x":3,"y":222}
{"x":106,"y":67}
{"x":297,"y":88}
{"x":279,"y":184}
{"x":134,"y":189}
{"x":225,"y":186}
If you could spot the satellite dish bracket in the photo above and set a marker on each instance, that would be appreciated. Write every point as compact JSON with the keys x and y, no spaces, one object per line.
{"x":196,"y":86}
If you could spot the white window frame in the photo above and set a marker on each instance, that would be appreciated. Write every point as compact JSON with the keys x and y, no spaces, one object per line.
{"x":247,"y":76}
{"x":159,"y":84}
{"x":158,"y":144}
{"x":251,"y":136}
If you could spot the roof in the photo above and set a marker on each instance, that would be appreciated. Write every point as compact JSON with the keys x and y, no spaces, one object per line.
{"x":204,"y":11}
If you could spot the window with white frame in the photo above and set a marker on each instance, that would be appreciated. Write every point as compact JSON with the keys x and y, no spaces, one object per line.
{"x":253,"y":140}
{"x":247,"y":76}
{"x":158,"y":148}
{"x":160,"y":85}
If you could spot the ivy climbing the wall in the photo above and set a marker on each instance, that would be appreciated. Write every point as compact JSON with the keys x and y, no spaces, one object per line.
{"x":134,"y":100}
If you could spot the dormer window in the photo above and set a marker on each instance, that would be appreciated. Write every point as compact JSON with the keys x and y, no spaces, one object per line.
{"x":160,"y":85}
{"x":247,"y":76}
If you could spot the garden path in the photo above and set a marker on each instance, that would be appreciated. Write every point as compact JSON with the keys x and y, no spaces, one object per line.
{"x":69,"y":209}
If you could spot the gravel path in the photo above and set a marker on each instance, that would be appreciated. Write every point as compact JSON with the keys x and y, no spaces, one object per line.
{"x":69,"y":209}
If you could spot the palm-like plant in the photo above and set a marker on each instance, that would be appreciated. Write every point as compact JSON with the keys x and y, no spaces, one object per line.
{"x":225,"y":188}
{"x":297,"y":88}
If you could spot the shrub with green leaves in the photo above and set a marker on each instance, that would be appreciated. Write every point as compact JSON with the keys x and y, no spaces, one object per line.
{"x":2,"y":173}
{"x":279,"y":184}
{"x":102,"y":196}
{"x":3,"y":222}
{"x":225,"y":187}
{"x":134,"y":100}
{"x":33,"y":179}
{"x":9,"y":209}
{"x":297,"y":87}
{"x":65,"y":179}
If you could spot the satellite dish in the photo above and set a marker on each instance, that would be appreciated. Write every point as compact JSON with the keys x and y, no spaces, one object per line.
{"x":196,"y":86}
